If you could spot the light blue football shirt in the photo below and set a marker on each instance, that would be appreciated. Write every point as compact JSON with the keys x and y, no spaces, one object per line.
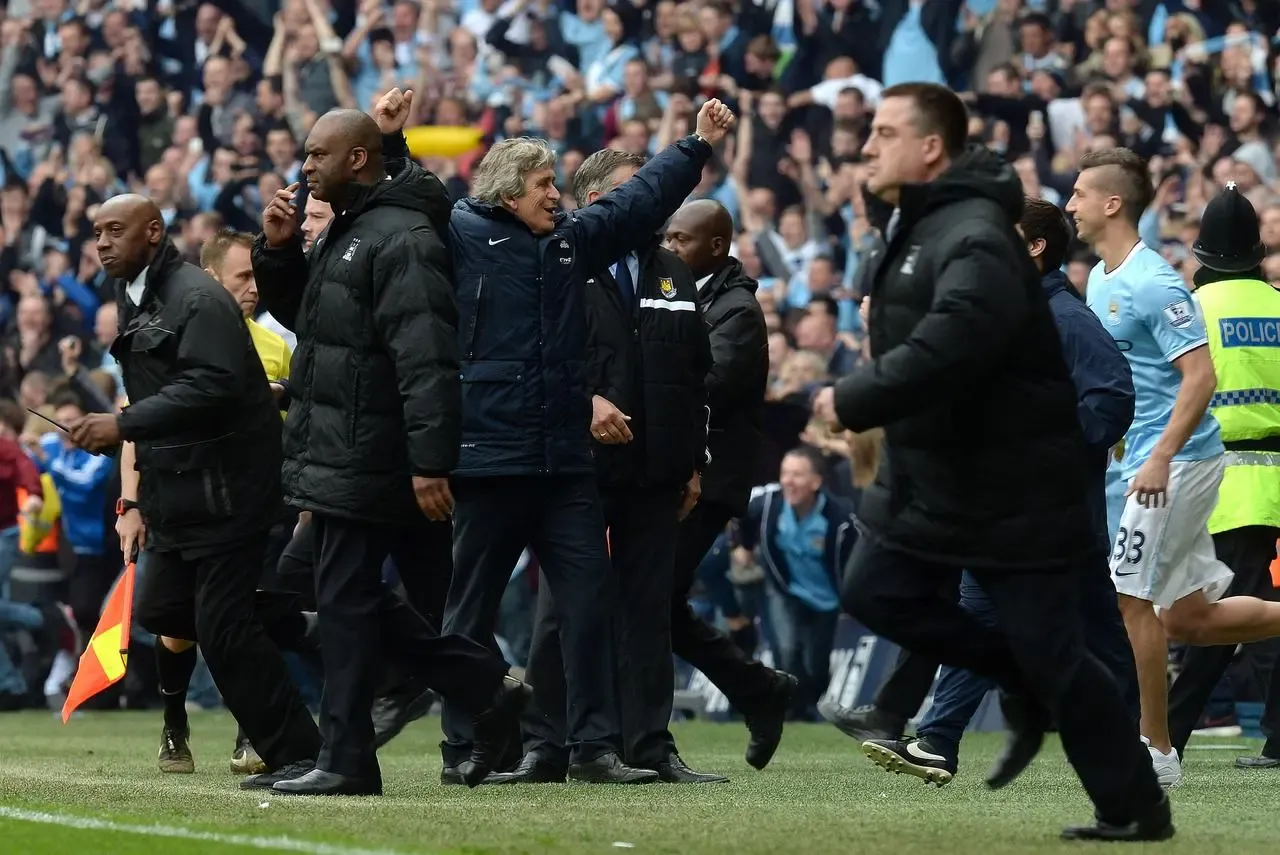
{"x":1148,"y":310}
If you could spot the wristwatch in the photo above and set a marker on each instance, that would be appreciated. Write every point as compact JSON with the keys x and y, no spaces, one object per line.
{"x":123,"y":506}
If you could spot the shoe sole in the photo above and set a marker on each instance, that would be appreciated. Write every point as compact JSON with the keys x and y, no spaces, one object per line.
{"x":639,"y":779}
{"x":178,"y":767}
{"x":248,"y":766}
{"x":891,"y":762}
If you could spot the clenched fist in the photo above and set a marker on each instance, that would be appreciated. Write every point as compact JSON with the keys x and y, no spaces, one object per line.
{"x":714,"y":121}
{"x":392,"y":111}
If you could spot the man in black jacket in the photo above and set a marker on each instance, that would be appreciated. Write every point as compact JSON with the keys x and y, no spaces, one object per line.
{"x":701,"y":233}
{"x":647,"y":353}
{"x":986,"y":465}
{"x":372,"y":434}
{"x":206,"y":435}
{"x":525,"y":475}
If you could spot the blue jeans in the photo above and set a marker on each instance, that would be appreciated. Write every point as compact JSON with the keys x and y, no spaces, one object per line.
{"x":959,"y":692}
{"x":805,"y":639}
{"x":12,"y":615}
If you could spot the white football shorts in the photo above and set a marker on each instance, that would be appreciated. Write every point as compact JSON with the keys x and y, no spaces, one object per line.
{"x":1164,"y":554}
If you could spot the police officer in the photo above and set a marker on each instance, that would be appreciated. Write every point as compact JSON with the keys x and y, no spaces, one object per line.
{"x":1242,"y":316}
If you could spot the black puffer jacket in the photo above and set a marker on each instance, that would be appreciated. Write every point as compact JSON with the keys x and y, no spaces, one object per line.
{"x":201,"y":415}
{"x":986,"y":464}
{"x":735,"y":384}
{"x":650,"y":363}
{"x":375,"y":374}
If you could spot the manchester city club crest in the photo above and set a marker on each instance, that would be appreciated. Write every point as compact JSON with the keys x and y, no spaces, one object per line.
{"x":668,"y":288}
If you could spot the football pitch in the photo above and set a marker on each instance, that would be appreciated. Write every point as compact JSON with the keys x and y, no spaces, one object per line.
{"x":92,"y":787}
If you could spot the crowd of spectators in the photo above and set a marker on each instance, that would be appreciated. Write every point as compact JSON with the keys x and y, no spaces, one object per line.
{"x":203,"y":107}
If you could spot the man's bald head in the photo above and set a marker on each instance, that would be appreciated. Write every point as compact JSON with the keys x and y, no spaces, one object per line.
{"x":357,"y":129}
{"x":128,"y":230}
{"x":700,"y":233}
{"x":706,"y":217}
{"x":344,"y":147}
{"x":132,"y":206}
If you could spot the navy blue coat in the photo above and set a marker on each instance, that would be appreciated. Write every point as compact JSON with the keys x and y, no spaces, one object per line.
{"x":760,"y":528}
{"x":1103,"y":381}
{"x":522,"y":331}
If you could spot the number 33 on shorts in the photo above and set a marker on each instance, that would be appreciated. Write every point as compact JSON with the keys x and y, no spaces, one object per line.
{"x":1127,"y":549}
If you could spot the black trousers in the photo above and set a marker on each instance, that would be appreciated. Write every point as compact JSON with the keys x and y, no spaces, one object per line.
{"x":212,"y":599}
{"x":742,"y":679}
{"x":430,"y":551}
{"x":1038,"y":650}
{"x":1249,"y":552}
{"x":561,"y":519}
{"x":361,"y":620}
{"x":642,"y":528}
{"x":906,"y":687}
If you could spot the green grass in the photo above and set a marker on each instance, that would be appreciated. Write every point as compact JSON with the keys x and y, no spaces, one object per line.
{"x":818,"y":796}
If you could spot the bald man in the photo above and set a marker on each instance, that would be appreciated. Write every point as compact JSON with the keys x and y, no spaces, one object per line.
{"x":372,"y":435}
{"x":200,"y":484}
{"x":700,"y":233}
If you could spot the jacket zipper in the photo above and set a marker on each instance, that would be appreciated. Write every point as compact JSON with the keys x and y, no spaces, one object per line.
{"x":351,"y":420}
{"x":765,"y":545}
{"x":475,"y":321}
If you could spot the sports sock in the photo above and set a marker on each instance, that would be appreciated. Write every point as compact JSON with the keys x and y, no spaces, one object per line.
{"x":174,"y":671}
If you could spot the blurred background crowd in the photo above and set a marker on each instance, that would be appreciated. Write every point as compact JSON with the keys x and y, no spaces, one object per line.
{"x":203,"y":107}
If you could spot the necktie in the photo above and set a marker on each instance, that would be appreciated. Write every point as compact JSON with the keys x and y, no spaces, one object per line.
{"x":625,"y":283}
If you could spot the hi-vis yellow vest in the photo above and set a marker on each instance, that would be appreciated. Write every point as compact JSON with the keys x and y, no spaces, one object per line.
{"x":1242,"y":317}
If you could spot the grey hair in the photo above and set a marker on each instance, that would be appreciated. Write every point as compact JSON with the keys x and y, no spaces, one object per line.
{"x":501,"y":173}
{"x":596,"y":170}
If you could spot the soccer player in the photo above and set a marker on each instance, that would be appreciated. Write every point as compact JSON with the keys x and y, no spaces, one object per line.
{"x":1162,"y":555}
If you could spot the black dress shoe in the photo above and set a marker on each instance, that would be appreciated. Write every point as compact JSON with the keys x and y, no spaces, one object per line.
{"x":493,"y":728}
{"x":393,"y":712}
{"x":609,"y":769}
{"x":766,"y":719}
{"x":318,"y":782}
{"x":532,"y":769}
{"x":267,"y":780}
{"x":1262,"y":761}
{"x":1155,"y":824}
{"x":674,"y":771}
{"x":866,"y":723}
{"x":450,"y":776}
{"x":1028,"y":722}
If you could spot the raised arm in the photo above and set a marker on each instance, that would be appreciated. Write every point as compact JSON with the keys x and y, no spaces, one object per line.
{"x":627,"y":218}
{"x":279,"y":264}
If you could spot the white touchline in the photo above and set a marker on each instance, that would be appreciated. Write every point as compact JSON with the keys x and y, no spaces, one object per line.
{"x":273,"y":844}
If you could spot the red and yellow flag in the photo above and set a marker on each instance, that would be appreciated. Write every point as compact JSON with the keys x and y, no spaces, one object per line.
{"x":107,"y":654}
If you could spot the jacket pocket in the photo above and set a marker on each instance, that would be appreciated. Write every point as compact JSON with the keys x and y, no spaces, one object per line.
{"x":153,"y":339}
{"x":494,"y":397}
{"x":184,"y":483}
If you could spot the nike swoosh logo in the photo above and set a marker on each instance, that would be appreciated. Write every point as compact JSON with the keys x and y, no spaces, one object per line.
{"x":914,"y":749}
{"x":493,"y":242}
{"x":1134,"y":573}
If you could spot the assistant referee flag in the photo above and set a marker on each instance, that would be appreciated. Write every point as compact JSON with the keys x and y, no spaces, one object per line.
{"x":107,"y":654}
